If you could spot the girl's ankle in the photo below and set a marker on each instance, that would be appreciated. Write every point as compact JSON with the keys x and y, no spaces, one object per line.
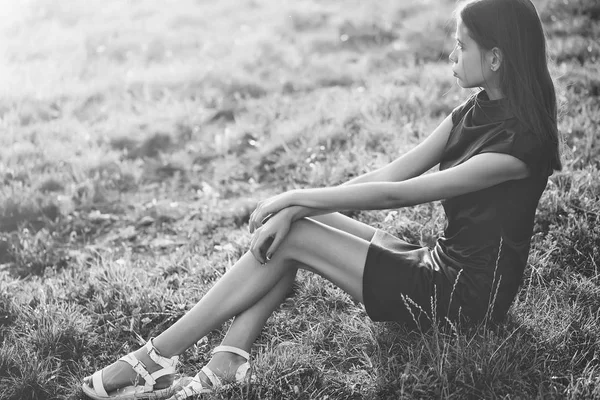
{"x":224,"y":364}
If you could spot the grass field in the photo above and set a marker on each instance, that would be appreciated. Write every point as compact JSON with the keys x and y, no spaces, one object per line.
{"x":137,"y":136}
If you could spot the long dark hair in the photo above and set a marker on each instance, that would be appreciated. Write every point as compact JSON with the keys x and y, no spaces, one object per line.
{"x":515,"y":28}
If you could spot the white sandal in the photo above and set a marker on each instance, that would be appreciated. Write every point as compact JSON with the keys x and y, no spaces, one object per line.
{"x":136,"y":392}
{"x":194,"y":386}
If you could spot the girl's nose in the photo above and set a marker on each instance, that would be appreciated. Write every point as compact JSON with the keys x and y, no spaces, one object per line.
{"x":451,"y":56}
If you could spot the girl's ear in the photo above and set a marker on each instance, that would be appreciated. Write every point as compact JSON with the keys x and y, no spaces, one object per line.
{"x":496,"y":58}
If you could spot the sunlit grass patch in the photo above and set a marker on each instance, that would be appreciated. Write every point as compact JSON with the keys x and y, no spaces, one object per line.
{"x":575,"y":48}
{"x":57,"y":331}
{"x":32,"y":252}
{"x":559,"y":318}
{"x":45,"y":342}
{"x":20,"y":211}
{"x":568,"y":219}
{"x":26,"y":375}
{"x":309,"y":20}
{"x":8,"y":312}
{"x":554,"y":10}
{"x":573,"y":30}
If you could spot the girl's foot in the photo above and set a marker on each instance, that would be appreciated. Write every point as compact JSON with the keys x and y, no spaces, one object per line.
{"x":224,"y":365}
{"x":229,"y":365}
{"x":143,"y":371}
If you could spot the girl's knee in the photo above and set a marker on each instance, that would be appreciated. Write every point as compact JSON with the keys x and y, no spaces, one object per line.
{"x":298,"y":238}
{"x":286,"y":253}
{"x":299,"y":230}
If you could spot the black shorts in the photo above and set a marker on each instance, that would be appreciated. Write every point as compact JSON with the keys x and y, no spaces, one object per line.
{"x":405,"y":283}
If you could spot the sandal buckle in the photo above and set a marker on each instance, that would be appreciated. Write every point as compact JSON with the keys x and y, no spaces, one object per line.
{"x":158,"y":358}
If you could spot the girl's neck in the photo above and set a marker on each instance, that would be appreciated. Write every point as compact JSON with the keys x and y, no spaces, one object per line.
{"x":493,"y":93}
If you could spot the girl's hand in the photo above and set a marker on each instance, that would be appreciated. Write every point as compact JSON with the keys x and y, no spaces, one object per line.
{"x":268,"y":237}
{"x":266,"y":208}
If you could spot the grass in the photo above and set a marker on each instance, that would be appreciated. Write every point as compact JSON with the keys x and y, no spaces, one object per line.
{"x":138,"y":136}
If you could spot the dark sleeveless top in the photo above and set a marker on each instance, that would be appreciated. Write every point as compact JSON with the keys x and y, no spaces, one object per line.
{"x":488,"y":232}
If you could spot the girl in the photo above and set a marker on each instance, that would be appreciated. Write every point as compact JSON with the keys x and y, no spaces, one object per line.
{"x":495,"y":153}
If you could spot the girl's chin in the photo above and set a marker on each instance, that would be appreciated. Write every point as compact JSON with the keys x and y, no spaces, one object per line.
{"x":464,"y":85}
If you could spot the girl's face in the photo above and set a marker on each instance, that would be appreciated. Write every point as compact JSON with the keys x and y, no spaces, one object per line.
{"x":471,"y":66}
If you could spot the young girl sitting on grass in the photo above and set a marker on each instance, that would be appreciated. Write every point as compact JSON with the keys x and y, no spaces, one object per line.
{"x":495,"y":153}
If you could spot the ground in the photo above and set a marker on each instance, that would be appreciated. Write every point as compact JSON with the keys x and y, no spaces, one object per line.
{"x":137,"y":136}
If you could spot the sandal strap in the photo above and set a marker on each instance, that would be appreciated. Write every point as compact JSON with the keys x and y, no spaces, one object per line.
{"x":214,"y":379}
{"x":98,"y":385}
{"x":162,"y":372}
{"x":140,"y":368}
{"x":193,"y":387}
{"x":231,"y":349}
{"x":196,"y":387}
{"x":242,"y":372}
{"x":154,"y":354}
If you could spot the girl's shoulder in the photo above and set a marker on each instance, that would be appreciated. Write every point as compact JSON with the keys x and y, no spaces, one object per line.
{"x":459,"y":112}
{"x":503,"y":134}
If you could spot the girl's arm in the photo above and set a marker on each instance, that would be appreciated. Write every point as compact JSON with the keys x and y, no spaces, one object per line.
{"x":479,"y":172}
{"x":419,"y":159}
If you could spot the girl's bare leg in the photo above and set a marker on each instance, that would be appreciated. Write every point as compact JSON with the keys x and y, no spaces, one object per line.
{"x":309,"y":244}
{"x":247,"y":325}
